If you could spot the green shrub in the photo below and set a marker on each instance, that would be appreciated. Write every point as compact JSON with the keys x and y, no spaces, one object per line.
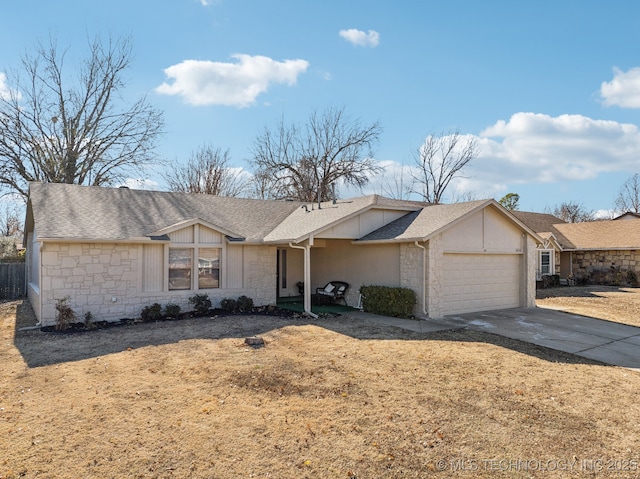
{"x":387,"y":301}
{"x":172,"y":310}
{"x":245,"y":304}
{"x":64,"y":314}
{"x":201,"y":304}
{"x":229,"y":304}
{"x":632,"y":278}
{"x":152,"y":312}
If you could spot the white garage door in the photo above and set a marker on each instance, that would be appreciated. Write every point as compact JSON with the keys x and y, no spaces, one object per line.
{"x":481,"y":282}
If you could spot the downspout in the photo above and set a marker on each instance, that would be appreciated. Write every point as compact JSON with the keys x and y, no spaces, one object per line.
{"x":307,"y":277}
{"x":424,"y":277}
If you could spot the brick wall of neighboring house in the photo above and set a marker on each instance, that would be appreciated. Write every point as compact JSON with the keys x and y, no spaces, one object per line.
{"x":586,"y":263}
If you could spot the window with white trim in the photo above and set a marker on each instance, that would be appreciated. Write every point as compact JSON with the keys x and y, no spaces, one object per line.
{"x":546,"y":262}
{"x":194,"y":258}
{"x":180,"y":268}
{"x":209,"y":268}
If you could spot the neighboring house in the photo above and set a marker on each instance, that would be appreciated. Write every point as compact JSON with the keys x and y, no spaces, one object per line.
{"x":580,"y":250}
{"x":549,"y":255}
{"x":629,"y":215}
{"x":113,"y":251}
{"x":600,"y":246}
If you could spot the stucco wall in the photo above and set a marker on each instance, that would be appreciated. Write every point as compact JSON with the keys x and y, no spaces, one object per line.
{"x":340,"y":260}
{"x":106,"y":280}
{"x":485,"y":231}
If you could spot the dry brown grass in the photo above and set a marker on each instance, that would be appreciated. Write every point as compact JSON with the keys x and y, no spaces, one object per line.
{"x":335,"y":398}
{"x":612,"y":303}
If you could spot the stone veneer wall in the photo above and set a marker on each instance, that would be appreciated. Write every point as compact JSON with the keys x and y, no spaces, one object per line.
{"x":92,"y":275}
{"x":584,"y":262}
{"x":412,"y":272}
{"x":435,"y":260}
{"x":260,"y":263}
{"x":530,"y":267}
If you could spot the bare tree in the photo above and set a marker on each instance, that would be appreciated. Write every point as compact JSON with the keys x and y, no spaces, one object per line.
{"x":572,"y":212}
{"x":459,"y":196}
{"x":63,"y":130}
{"x":510,"y":201}
{"x":439,"y":160}
{"x":207,"y":171}
{"x":628,"y":199}
{"x":10,"y":223}
{"x":395,"y":183}
{"x":307,"y":162}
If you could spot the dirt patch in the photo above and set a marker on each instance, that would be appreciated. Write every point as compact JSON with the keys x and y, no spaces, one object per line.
{"x":335,"y":397}
{"x":621,"y":305}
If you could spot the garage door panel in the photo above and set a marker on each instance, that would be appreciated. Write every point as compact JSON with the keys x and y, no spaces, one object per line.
{"x":477,"y":282}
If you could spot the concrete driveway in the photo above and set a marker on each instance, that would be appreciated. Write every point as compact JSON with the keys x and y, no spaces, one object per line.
{"x":605,"y":341}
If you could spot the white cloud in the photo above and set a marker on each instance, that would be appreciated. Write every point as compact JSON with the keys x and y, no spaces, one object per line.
{"x":623,"y":90}
{"x":140,"y":184}
{"x":360,"y":38}
{"x":233,"y":84}
{"x":568,"y":147}
{"x":532,"y":148}
{"x":537,"y":148}
{"x":5,"y":92}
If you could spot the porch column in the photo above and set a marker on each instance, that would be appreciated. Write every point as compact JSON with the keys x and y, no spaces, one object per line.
{"x":307,"y":275}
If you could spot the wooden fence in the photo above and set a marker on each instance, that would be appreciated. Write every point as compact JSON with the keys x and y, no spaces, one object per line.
{"x":13,"y":280}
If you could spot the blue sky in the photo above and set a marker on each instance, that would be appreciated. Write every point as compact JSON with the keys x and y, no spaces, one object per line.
{"x":550,"y":89}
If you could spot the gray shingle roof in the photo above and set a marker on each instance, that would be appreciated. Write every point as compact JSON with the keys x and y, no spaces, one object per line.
{"x":86,"y":213}
{"x":422,"y":224}
{"x":544,"y":223}
{"x":602,"y":235}
{"x":90,"y":212}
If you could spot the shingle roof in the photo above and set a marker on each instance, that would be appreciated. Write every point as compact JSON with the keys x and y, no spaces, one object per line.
{"x":418,"y":225}
{"x":544,"y":223}
{"x":73,"y":212}
{"x":89,"y":212}
{"x":602,"y":235}
{"x":309,"y":219}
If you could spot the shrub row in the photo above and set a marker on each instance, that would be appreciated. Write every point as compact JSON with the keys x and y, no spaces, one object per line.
{"x":609,"y":277}
{"x":387,"y":301}
{"x":65,"y":316}
{"x":243,"y":304}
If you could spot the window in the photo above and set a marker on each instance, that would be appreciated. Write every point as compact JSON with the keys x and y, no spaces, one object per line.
{"x":180,"y":266}
{"x":208,"y":268}
{"x":195,"y":257}
{"x":545,"y":262}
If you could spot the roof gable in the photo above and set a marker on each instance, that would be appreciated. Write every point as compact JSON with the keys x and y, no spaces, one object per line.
{"x":433,"y":219}
{"x":309,"y":220}
{"x":544,"y":224}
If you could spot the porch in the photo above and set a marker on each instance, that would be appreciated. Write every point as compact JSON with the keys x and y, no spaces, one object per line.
{"x":296,"y":303}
